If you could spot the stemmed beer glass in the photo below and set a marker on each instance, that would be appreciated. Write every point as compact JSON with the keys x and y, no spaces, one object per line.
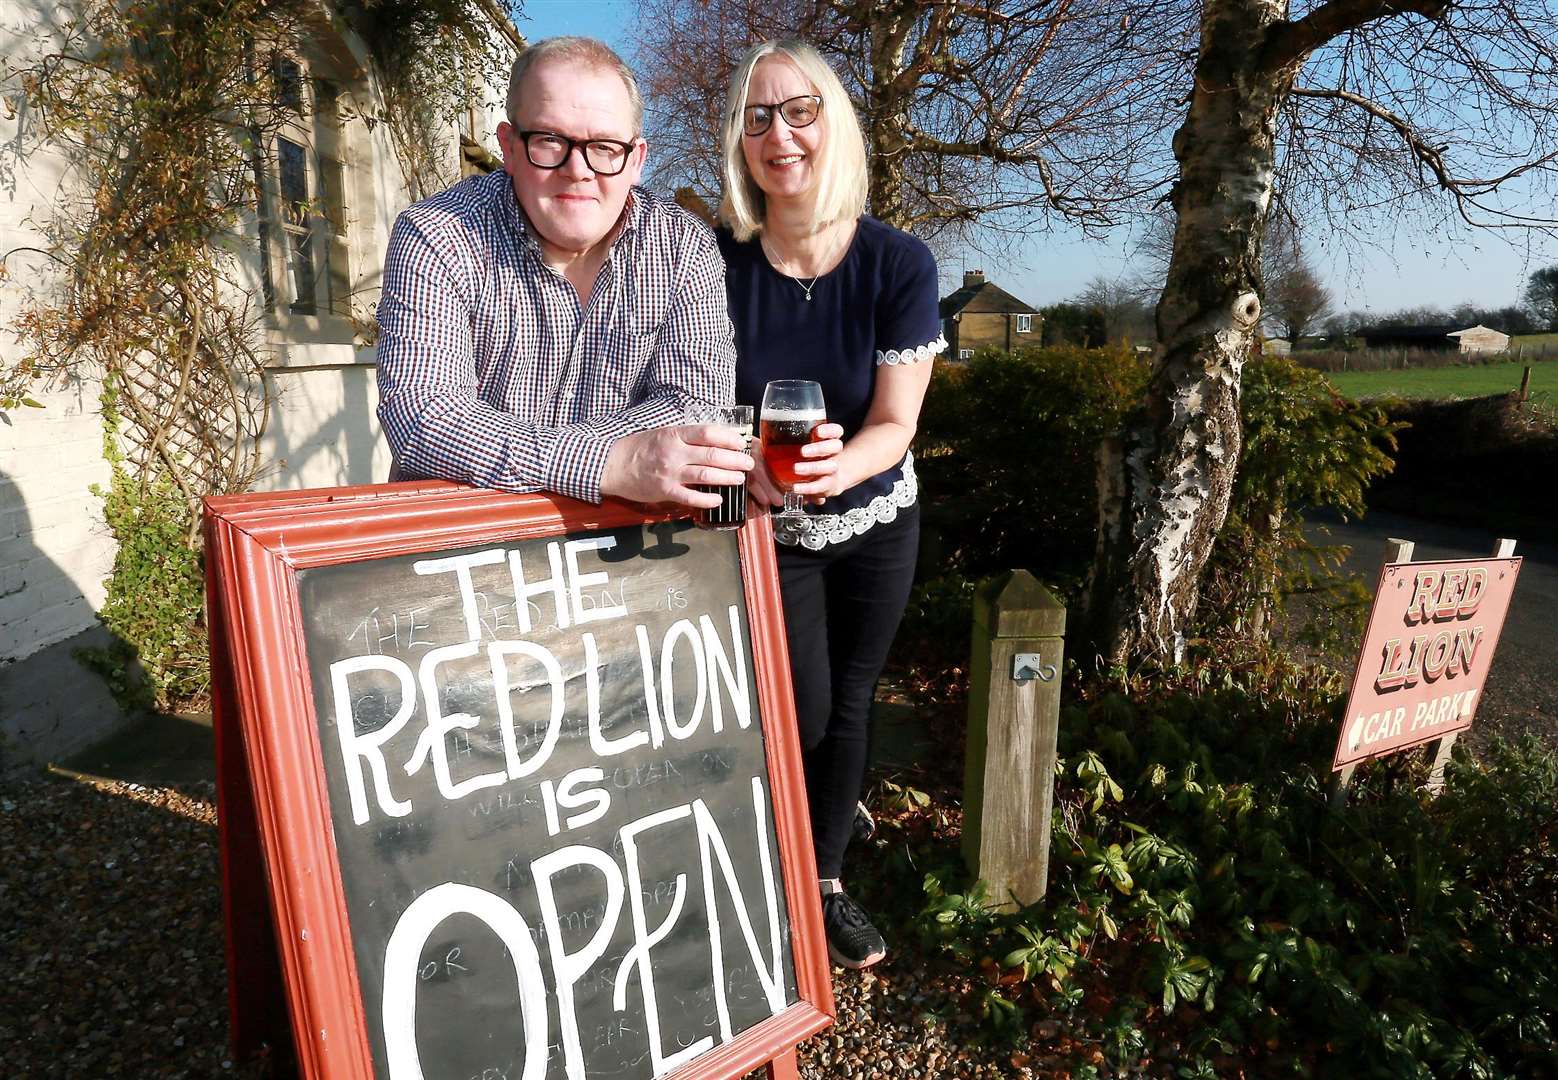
{"x":792,"y":411}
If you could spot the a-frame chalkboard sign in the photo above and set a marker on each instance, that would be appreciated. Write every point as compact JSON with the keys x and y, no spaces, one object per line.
{"x":509,"y":788}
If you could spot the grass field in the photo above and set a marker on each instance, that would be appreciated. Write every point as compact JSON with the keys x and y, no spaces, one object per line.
{"x":1447,"y":382}
{"x":1533,"y":340}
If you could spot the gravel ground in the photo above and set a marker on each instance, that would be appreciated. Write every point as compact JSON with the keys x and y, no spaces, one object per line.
{"x":112,"y":946}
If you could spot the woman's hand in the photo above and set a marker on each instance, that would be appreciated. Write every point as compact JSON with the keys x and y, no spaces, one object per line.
{"x":819,"y":464}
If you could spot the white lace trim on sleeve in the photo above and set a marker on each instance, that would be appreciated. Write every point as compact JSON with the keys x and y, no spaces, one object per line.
{"x":816,"y":531}
{"x":912,"y":356}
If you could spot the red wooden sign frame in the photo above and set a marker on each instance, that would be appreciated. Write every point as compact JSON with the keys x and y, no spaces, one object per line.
{"x":289,"y":946}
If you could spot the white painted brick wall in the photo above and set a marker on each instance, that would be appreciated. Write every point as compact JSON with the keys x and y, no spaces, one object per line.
{"x":55,"y":550}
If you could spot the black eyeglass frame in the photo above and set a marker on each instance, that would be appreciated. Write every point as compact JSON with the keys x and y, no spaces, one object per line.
{"x":582,"y":145}
{"x":777,"y":107}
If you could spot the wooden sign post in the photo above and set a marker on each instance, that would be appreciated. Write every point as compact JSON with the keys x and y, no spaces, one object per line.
{"x":1013,"y":723}
{"x":1425,"y":657}
{"x":510,"y":787}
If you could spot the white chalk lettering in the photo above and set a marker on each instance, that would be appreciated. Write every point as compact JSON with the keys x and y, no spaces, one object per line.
{"x":503,"y":686}
{"x":602,"y":746}
{"x":355,"y":748}
{"x":461,"y":565}
{"x":643,"y":940}
{"x":431,"y":743}
{"x":712,"y":845}
{"x":411,"y":932}
{"x":682,"y":630}
{"x":555,"y":585}
{"x":732,"y":676}
{"x":568,"y":967}
{"x":578,"y":582}
{"x":597,"y":797}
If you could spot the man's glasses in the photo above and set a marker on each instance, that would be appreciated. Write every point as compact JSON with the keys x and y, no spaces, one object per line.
{"x":548,"y":150}
{"x":798,"y":112}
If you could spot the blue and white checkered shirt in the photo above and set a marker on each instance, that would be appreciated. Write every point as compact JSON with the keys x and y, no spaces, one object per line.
{"x":490,"y":372}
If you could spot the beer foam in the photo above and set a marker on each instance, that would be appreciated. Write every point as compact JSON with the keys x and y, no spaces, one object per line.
{"x":792,"y":416}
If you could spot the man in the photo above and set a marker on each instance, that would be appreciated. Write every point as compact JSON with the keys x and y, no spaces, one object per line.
{"x":545,"y":328}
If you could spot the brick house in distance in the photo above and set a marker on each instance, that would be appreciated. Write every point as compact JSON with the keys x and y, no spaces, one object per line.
{"x":982,"y":314}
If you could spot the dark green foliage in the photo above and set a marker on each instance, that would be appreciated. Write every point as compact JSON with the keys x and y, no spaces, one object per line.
{"x":1006,"y":449}
{"x":1206,"y":907}
{"x":1305,"y":447}
{"x":1073,"y":324}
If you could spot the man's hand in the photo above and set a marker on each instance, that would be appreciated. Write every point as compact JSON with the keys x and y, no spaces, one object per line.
{"x":661,"y":464}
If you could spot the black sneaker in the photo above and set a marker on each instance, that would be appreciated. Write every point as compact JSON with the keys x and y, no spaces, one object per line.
{"x":864,"y":827}
{"x":852,"y":941}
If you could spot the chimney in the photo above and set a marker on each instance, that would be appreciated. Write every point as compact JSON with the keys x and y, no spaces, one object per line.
{"x":973,"y":278}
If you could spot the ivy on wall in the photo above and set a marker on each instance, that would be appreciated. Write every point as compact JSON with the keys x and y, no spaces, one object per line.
{"x":166,"y":112}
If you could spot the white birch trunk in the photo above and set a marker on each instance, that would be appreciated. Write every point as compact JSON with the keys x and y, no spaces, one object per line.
{"x":1165,"y":486}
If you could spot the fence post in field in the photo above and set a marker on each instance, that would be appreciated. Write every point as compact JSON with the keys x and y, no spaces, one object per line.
{"x":1013,"y":720}
{"x":1525,"y":386}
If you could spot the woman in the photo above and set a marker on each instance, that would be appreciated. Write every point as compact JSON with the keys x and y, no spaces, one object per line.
{"x":819,"y":290}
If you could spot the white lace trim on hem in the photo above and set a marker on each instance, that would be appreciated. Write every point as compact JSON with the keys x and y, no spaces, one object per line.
{"x":816,"y":531}
{"x":912,"y":356}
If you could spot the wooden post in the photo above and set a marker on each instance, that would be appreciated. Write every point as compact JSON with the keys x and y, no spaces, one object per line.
{"x":1013,"y":720}
{"x":1525,"y":386}
{"x":1396,"y":551}
{"x":1502,"y":549}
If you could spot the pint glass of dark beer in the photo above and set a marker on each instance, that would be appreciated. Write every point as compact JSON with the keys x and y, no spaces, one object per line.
{"x":731,"y":513}
{"x":792,"y":410}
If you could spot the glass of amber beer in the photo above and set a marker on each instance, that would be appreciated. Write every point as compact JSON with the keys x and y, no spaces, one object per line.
{"x":792,"y":410}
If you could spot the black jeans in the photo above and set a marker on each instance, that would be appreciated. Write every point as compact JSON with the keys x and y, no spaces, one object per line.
{"x":842,"y":606}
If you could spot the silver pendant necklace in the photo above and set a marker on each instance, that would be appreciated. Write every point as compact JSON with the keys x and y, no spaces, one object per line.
{"x":784,"y":270}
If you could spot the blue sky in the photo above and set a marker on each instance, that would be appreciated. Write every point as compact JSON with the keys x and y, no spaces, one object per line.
{"x":1411,"y":270}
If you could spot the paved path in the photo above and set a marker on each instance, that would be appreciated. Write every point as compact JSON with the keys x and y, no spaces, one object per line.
{"x":1522,"y":690}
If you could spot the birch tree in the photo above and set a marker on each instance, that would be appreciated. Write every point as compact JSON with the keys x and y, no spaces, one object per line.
{"x":1356,"y":107}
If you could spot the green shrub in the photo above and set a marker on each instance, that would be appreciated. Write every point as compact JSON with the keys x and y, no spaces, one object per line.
{"x":1305,"y":448}
{"x":1206,"y":906}
{"x":1006,"y":449}
{"x":155,"y":601}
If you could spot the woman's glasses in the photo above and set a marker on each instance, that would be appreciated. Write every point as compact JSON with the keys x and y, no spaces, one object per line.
{"x":798,"y":112}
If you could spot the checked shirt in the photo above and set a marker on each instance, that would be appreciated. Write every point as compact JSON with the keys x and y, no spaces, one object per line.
{"x":491,"y":373}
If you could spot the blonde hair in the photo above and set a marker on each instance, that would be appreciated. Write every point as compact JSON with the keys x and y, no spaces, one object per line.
{"x":579,"y":50}
{"x":841,"y":193}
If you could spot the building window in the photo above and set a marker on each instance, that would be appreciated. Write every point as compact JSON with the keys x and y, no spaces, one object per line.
{"x":305,"y":211}
{"x":1025,"y":324}
{"x":965,"y":354}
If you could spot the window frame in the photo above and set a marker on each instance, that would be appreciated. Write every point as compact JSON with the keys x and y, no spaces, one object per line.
{"x":321,"y":223}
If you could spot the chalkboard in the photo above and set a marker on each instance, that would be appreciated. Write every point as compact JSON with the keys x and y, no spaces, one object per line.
{"x":558,"y":820}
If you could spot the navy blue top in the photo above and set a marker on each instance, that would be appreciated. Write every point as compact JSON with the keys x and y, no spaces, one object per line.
{"x":878,"y":306}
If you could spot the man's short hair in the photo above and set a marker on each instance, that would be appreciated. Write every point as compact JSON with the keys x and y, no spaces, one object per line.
{"x":578,"y":50}
{"x":841,"y":196}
